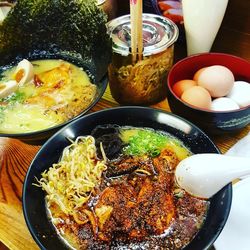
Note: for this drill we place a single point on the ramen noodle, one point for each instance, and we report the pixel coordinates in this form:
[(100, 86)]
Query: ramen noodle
[(142, 83), (70, 182)]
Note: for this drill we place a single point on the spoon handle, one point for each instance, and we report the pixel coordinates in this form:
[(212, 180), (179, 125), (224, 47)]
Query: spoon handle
[(238, 166)]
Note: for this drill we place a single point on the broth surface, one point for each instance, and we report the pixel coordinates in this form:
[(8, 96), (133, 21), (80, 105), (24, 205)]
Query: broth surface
[(136, 203), (58, 92)]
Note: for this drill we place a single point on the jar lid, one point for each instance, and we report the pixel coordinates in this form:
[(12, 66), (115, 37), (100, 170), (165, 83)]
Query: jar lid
[(158, 34)]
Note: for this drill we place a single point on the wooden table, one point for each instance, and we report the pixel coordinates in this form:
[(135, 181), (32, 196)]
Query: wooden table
[(15, 156)]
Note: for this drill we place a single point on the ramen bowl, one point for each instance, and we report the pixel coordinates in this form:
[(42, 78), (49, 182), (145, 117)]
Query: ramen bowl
[(34, 205), (212, 122), (78, 106)]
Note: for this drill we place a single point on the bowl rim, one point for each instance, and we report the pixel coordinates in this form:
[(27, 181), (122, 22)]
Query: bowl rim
[(227, 188), (201, 55)]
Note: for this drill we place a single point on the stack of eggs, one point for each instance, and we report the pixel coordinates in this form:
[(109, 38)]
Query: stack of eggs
[(214, 88)]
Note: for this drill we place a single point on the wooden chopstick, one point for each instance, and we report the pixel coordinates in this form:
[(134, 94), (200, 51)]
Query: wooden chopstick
[(139, 29), (136, 30)]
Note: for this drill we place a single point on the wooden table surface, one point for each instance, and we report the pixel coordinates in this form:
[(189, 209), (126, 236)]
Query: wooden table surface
[(15, 156)]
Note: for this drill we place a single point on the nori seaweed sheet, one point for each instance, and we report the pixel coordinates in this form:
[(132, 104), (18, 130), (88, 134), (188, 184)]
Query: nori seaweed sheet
[(56, 28)]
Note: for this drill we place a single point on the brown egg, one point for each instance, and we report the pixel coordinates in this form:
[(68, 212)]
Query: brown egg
[(198, 97), (183, 85), (197, 74), (217, 79)]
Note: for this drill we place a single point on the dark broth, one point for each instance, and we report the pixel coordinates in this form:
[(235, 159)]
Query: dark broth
[(138, 204)]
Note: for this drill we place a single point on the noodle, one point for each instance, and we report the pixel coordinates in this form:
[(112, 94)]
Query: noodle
[(69, 182), (145, 79)]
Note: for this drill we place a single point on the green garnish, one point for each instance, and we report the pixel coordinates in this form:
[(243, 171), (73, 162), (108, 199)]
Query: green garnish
[(146, 142), (1, 114), (17, 97), (11, 100)]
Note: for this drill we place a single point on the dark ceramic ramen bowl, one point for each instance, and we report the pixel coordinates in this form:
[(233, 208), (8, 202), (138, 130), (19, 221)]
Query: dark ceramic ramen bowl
[(212, 122), (100, 80), (193, 138)]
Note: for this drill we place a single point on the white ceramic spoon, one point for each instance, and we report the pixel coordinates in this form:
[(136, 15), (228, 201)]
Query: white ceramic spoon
[(203, 175)]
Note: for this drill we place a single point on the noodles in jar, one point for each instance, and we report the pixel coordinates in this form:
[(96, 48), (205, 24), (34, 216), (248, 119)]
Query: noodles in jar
[(143, 81)]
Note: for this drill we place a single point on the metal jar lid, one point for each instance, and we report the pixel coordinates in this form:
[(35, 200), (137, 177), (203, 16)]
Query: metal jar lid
[(158, 34)]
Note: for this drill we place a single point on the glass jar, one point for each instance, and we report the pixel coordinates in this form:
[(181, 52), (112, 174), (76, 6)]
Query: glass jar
[(144, 82)]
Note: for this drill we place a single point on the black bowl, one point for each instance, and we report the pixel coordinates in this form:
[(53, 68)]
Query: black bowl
[(100, 80), (33, 197)]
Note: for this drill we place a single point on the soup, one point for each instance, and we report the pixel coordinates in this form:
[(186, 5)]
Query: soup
[(115, 189), (42, 94)]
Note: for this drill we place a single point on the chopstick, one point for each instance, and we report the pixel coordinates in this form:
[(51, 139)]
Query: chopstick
[(136, 29), (133, 29), (139, 29)]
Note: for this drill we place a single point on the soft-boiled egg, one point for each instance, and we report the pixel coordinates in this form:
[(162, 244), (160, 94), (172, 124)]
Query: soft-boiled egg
[(180, 86), (24, 72), (240, 93), (224, 104), (7, 88), (217, 79), (198, 97)]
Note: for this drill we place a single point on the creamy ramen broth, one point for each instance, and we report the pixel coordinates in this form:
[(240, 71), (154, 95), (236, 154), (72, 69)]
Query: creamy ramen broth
[(127, 198), (58, 91)]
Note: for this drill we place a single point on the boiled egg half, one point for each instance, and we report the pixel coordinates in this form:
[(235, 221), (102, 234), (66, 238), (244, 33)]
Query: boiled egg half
[(7, 88), (24, 72)]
